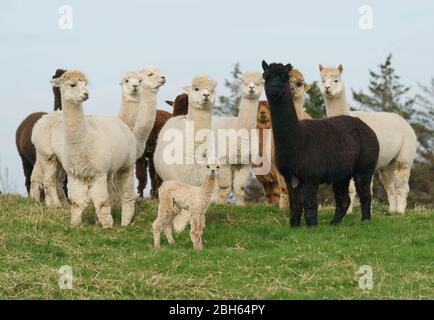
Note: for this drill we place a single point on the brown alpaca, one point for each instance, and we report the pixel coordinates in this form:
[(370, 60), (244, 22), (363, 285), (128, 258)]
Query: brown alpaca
[(180, 107), (23, 136)]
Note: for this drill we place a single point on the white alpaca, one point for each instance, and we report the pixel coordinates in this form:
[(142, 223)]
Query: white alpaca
[(396, 137), (237, 174), (177, 198), (173, 135), (97, 152)]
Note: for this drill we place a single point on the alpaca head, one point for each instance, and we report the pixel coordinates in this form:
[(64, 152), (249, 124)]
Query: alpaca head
[(130, 86), (152, 78), (73, 86), (331, 81), (201, 92), (213, 166), (297, 84), (251, 84), (276, 76), (263, 112), (180, 105)]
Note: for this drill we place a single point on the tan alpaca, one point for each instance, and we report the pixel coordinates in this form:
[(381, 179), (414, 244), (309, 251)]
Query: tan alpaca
[(179, 200)]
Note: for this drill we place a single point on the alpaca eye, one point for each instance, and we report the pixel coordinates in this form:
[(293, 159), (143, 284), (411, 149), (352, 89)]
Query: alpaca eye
[(299, 84), (218, 167), (196, 89), (207, 167), (73, 85), (336, 81), (151, 74), (140, 81), (126, 81)]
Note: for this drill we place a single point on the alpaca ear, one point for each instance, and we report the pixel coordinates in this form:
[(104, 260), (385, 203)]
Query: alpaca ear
[(264, 65), (289, 66), (321, 68), (341, 68), (306, 87), (170, 103), (56, 82)]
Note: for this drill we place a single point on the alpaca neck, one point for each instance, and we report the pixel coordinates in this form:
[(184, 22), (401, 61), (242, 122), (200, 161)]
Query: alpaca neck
[(129, 111), (247, 113), (298, 104), (200, 117), (74, 122), (337, 105), (207, 187), (145, 118), (286, 127)]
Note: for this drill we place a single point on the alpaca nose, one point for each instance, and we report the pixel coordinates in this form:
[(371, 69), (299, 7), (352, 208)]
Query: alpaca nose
[(85, 96), (135, 86), (327, 88), (206, 95)]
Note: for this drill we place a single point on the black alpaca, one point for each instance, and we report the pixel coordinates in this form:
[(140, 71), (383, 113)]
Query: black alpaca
[(318, 151)]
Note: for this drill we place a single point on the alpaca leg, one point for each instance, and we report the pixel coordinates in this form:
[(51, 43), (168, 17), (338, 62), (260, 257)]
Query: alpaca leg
[(352, 195), (50, 168), (284, 197), (402, 176), (387, 179), (241, 177), (165, 213), (224, 184), (61, 185), (196, 230), (310, 202), (342, 199), (155, 179), (168, 227), (125, 179), (276, 194), (27, 168), (142, 174), (79, 192), (363, 188), (268, 191), (36, 182), (101, 200), (295, 203)]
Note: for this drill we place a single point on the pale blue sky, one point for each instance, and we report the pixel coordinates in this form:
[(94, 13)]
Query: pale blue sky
[(186, 37)]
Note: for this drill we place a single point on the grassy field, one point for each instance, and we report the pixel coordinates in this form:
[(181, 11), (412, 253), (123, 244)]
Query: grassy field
[(250, 252)]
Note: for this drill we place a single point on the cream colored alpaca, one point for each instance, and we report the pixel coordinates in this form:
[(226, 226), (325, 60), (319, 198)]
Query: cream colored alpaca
[(298, 89), (236, 174), (173, 135), (97, 153), (139, 102), (177, 198), (396, 137)]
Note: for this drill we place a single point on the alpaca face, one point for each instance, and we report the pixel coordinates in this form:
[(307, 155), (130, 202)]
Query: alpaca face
[(251, 84), (276, 76), (331, 82), (201, 92), (130, 86), (73, 86), (263, 112), (151, 78), (213, 166), (297, 85)]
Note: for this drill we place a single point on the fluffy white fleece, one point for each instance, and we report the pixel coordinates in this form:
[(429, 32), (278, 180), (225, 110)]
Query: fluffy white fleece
[(396, 137)]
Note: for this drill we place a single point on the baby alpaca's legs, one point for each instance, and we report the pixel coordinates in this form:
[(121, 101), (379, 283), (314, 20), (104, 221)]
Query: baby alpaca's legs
[(168, 227), (284, 198), (50, 167), (310, 202), (196, 231), (352, 195), (60, 185), (79, 196), (363, 187), (125, 179), (164, 219), (387, 179), (101, 201), (402, 176), (241, 177)]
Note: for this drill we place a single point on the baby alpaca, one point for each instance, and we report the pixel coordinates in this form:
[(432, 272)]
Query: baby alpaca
[(178, 199)]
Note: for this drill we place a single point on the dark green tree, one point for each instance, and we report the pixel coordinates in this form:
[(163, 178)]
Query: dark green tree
[(228, 105), (425, 124), (314, 102)]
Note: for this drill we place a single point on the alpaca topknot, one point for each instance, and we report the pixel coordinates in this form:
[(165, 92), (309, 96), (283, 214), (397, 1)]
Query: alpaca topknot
[(75, 75), (204, 81)]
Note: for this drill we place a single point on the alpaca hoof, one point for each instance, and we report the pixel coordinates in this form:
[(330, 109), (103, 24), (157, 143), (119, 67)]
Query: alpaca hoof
[(311, 223), (295, 223), (157, 246), (335, 222)]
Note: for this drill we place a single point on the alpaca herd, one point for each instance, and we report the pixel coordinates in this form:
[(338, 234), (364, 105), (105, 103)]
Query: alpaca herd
[(71, 157)]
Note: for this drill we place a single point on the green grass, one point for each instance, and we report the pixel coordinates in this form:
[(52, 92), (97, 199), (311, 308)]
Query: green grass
[(250, 252)]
